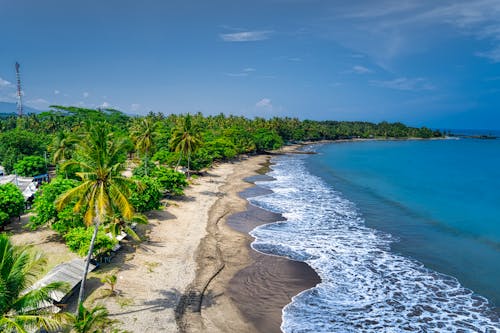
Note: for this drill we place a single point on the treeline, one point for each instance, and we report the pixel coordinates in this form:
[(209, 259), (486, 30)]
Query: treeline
[(221, 137)]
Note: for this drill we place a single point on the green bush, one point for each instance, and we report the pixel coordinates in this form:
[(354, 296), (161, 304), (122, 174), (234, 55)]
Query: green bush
[(140, 171), (165, 157), (45, 209), (16, 144), (148, 198), (170, 180), (78, 241), (31, 166), (267, 140), (11, 202)]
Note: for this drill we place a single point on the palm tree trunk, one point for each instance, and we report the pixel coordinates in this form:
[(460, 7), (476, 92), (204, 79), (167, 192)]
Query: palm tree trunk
[(178, 162), (189, 157), (87, 264)]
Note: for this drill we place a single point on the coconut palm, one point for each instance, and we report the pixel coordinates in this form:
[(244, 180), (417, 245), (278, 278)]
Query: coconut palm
[(103, 190), (19, 306), (93, 320), (185, 140), (143, 132), (62, 146)]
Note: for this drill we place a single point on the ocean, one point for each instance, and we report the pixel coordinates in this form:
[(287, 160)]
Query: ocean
[(405, 235)]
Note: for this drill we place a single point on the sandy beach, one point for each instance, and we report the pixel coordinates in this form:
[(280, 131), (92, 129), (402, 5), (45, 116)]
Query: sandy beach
[(194, 273)]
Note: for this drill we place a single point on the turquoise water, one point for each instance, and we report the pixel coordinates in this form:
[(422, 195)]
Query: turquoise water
[(441, 199), (403, 234)]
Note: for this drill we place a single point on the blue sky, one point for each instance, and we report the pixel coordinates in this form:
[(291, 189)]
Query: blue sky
[(434, 63)]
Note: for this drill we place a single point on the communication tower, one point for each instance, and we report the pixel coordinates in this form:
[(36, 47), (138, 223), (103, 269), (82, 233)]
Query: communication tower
[(19, 92)]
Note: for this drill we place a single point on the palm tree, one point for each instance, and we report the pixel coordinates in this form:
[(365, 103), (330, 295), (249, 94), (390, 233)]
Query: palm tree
[(20, 309), (103, 190), (185, 140), (62, 146), (92, 320), (143, 132)]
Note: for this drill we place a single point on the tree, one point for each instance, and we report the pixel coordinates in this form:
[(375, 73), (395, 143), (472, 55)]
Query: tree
[(186, 140), (45, 208), (16, 144), (11, 202), (19, 267), (62, 146), (103, 190), (31, 166), (147, 196), (94, 320), (143, 132)]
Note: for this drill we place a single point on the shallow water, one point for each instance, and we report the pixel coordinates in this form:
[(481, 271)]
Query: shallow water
[(388, 259)]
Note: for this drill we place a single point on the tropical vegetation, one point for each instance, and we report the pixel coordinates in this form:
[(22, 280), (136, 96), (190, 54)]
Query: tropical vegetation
[(24, 309)]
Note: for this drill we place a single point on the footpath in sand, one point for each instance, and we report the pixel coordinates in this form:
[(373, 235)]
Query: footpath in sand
[(157, 281)]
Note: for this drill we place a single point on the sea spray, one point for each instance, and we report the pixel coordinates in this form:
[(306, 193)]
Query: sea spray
[(365, 287)]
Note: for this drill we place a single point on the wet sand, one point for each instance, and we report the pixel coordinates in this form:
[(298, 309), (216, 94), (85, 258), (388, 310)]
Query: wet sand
[(263, 288)]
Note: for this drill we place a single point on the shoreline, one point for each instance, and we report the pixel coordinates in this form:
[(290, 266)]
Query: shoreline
[(230, 272)]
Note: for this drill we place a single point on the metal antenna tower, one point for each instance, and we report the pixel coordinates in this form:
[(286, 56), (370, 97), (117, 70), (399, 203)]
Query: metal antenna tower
[(19, 92)]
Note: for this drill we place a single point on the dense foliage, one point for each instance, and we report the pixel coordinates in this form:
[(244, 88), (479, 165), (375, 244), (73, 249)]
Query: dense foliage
[(170, 181), (31, 166), (17, 143), (147, 196), (45, 209), (78, 240), (11, 202)]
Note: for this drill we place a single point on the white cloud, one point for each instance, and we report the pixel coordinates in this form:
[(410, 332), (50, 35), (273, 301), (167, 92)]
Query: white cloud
[(236, 74), (493, 55), (105, 105), (38, 103), (405, 84), (247, 36), (361, 70), (249, 69), (264, 103), (4, 83), (135, 107), (56, 92), (85, 94)]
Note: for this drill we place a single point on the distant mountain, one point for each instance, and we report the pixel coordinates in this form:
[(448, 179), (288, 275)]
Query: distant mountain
[(6, 107)]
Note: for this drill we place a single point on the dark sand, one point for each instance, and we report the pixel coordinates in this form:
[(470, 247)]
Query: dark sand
[(263, 288)]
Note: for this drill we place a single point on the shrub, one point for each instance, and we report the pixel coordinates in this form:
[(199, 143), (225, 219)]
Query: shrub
[(170, 180), (11, 202), (165, 157), (140, 171), (78, 241), (147, 198), (45, 209), (31, 166)]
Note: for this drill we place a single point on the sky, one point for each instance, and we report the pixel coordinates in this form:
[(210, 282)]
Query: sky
[(425, 63)]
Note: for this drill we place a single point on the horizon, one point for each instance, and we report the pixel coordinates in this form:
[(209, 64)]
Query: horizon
[(419, 63)]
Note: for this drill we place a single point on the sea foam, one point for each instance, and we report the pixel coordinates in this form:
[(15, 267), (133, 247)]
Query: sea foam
[(365, 287)]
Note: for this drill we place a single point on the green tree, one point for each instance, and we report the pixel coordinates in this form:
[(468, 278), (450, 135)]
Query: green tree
[(20, 309), (143, 132), (11, 202), (146, 196), (103, 190), (45, 208), (186, 139), (31, 166), (16, 144), (93, 320), (62, 146), (170, 180)]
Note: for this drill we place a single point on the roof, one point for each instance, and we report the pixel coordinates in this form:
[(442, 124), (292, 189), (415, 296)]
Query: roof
[(69, 272)]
